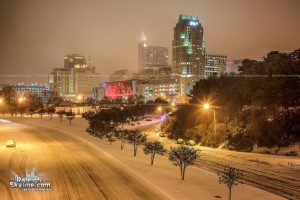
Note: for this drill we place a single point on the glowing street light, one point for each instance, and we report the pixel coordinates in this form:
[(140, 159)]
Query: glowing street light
[(79, 97), (159, 108), (173, 104), (21, 99), (1, 100), (207, 106)]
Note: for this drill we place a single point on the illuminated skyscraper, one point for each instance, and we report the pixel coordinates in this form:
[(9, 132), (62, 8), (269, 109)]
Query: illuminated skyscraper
[(76, 78), (188, 47), (151, 58)]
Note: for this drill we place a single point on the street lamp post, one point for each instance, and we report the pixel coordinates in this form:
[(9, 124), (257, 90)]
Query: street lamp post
[(207, 106), (81, 98), (21, 99)]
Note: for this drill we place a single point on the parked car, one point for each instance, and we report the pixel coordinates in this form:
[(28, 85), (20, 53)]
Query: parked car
[(180, 141), (157, 117), (132, 123), (162, 134), (112, 139), (191, 143), (138, 123), (148, 119), (10, 144)]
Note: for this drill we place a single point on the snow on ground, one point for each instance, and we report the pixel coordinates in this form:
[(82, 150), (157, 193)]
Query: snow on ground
[(37, 137)]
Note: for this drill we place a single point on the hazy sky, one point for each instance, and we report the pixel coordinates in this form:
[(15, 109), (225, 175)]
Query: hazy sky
[(35, 35)]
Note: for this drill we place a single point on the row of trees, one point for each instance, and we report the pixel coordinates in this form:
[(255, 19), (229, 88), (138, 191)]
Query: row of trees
[(259, 106), (182, 156)]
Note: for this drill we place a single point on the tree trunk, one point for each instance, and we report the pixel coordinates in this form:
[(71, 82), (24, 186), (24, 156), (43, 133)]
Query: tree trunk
[(152, 158), (183, 171), (229, 197), (122, 144), (134, 149)]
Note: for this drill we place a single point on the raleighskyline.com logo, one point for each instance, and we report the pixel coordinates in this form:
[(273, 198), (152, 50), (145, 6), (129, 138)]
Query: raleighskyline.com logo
[(30, 182)]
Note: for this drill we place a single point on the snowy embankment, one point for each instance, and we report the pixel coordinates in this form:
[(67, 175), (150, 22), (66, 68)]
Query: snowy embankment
[(199, 183)]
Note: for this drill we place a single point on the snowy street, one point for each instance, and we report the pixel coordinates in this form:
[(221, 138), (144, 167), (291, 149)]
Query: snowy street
[(80, 166)]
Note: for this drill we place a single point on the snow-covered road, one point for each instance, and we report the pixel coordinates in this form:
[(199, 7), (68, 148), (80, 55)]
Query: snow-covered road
[(75, 168), (80, 166)]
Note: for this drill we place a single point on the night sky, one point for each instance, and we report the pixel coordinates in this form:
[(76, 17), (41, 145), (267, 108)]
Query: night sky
[(36, 35)]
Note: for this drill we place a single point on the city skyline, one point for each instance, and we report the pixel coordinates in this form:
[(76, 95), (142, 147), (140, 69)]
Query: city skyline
[(54, 29)]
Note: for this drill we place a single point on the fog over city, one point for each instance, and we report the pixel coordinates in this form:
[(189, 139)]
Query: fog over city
[(36, 35), (149, 99)]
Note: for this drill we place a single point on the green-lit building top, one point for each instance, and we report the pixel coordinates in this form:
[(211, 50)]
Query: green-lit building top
[(188, 49)]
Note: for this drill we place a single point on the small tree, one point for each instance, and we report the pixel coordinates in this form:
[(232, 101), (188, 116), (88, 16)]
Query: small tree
[(137, 138), (51, 111), (230, 178), (31, 111), (183, 156), (61, 114), (122, 136), (42, 112), (153, 148), (70, 116), (99, 128)]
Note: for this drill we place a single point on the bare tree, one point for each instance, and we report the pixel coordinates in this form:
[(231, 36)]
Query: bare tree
[(137, 138), (155, 147), (42, 112), (122, 136), (51, 111), (70, 116), (61, 114), (230, 178), (183, 156)]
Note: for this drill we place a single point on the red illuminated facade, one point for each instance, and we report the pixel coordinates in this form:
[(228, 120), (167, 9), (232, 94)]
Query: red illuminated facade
[(119, 88)]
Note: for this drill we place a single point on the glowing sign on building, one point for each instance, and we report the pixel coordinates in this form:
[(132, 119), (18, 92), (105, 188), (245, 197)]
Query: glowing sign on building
[(194, 23), (119, 89)]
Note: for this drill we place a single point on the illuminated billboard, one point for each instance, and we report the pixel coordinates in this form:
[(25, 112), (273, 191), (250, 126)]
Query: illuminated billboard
[(119, 88)]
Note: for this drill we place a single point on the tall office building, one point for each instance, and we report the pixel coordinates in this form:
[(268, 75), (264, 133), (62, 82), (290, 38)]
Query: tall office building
[(212, 63), (188, 47), (76, 78), (151, 58)]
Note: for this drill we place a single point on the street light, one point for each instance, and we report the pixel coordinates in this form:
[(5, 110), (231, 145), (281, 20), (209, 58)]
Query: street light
[(81, 98), (159, 108), (21, 99), (207, 106), (1, 100)]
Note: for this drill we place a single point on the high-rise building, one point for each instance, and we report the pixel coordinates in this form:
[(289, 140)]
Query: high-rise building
[(188, 47), (76, 78), (212, 63), (151, 58)]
